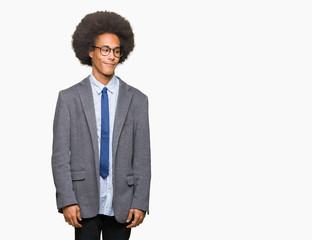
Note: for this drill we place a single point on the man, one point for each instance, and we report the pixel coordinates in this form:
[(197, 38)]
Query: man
[(101, 145)]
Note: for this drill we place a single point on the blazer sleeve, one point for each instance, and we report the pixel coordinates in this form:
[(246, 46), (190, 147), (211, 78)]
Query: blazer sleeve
[(61, 155), (142, 160)]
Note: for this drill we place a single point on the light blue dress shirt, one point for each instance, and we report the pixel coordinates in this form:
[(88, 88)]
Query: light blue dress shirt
[(106, 185)]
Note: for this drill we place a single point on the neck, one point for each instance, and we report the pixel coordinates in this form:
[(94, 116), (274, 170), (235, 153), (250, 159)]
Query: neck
[(104, 79)]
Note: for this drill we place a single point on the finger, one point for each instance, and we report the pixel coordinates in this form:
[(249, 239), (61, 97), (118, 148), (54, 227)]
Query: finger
[(67, 219), (130, 225), (142, 216), (130, 215), (78, 214), (76, 223), (134, 222), (70, 221), (140, 220)]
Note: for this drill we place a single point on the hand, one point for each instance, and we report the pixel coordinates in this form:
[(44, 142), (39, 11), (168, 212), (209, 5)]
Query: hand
[(139, 216), (71, 214)]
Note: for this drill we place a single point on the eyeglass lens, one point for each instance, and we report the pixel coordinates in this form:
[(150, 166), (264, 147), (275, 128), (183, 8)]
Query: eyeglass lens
[(106, 50)]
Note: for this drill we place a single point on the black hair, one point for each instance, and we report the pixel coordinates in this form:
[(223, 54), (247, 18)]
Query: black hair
[(95, 24)]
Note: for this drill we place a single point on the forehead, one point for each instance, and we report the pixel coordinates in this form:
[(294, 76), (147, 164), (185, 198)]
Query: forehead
[(108, 39)]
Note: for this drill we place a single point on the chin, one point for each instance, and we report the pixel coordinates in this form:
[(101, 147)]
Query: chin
[(108, 74)]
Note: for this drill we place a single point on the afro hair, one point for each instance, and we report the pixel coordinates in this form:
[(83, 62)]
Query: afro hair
[(95, 24)]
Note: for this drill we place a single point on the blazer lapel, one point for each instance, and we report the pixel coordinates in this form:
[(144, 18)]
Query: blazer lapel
[(123, 103), (85, 93)]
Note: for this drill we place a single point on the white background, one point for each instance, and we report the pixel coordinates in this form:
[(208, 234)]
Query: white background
[(229, 85)]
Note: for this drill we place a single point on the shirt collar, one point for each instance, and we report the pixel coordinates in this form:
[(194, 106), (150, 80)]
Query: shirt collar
[(111, 86)]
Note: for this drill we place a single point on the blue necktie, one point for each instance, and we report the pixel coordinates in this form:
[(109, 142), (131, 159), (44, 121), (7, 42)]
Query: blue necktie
[(104, 152)]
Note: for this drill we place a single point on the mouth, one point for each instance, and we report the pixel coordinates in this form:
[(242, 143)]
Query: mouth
[(109, 64)]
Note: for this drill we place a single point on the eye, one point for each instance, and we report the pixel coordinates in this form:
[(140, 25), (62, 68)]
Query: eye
[(105, 49)]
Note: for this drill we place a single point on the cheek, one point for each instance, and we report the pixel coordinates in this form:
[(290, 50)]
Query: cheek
[(97, 60)]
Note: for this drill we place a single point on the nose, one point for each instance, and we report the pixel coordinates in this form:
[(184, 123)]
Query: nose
[(111, 55)]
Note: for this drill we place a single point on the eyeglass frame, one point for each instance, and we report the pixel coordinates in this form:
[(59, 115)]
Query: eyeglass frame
[(110, 49)]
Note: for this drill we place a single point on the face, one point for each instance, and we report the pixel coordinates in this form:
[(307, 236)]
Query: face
[(103, 67)]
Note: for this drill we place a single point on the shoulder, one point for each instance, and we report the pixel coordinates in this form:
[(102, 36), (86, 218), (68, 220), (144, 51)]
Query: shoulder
[(137, 94), (72, 91)]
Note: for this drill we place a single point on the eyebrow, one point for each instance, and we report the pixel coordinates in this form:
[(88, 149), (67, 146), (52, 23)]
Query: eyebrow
[(110, 47)]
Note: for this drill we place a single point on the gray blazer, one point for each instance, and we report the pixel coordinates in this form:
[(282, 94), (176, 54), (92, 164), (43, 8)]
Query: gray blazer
[(75, 157)]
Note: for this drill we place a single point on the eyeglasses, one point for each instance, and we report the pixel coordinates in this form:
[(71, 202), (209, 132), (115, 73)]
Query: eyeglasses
[(105, 50)]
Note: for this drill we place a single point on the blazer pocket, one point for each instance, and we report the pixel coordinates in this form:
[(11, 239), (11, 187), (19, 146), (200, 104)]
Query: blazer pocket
[(130, 180), (78, 175)]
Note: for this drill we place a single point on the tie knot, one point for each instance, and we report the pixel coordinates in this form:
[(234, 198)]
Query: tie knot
[(104, 90)]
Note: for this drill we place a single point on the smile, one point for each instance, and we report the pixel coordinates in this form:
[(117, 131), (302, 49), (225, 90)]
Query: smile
[(110, 64)]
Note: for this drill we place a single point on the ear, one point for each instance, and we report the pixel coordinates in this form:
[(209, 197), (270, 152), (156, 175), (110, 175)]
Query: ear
[(91, 52)]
